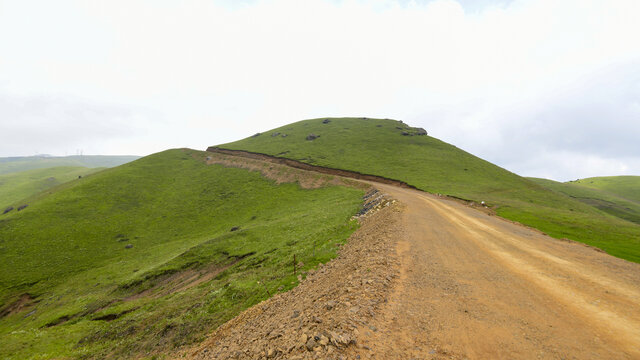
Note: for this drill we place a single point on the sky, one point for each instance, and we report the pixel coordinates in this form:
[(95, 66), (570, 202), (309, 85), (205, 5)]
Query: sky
[(542, 88)]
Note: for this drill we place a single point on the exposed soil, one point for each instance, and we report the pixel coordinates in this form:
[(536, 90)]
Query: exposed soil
[(304, 166), (280, 173), (476, 286), (431, 278), (24, 302), (181, 281), (322, 316)]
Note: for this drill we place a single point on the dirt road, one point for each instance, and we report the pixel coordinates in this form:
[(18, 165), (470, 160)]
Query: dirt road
[(430, 278), (475, 286)]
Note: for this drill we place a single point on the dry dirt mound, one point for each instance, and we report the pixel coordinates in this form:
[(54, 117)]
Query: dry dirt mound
[(324, 316)]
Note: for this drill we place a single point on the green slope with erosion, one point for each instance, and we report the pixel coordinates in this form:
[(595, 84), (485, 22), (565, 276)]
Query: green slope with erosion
[(23, 163), (378, 147), (610, 201), (140, 258), (18, 186)]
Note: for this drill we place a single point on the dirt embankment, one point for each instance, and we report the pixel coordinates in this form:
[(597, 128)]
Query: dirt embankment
[(308, 167), (281, 173), (325, 315)]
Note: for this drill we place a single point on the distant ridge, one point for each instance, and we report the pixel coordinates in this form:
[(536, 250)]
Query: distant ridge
[(21, 163)]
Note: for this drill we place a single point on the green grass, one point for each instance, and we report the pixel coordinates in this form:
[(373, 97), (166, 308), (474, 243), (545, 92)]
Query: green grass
[(627, 187), (18, 186), (95, 298), (22, 163), (610, 200), (376, 146)]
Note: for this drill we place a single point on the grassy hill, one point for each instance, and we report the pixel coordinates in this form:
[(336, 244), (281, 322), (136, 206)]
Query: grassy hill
[(153, 254), (627, 187), (622, 201), (393, 149), (18, 186), (23, 163)]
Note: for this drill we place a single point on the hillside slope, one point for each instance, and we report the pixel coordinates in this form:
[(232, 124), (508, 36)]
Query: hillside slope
[(611, 200), (627, 187), (23, 163), (379, 147), (151, 255), (18, 186)]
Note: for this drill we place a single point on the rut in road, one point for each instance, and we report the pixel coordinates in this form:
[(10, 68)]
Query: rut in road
[(476, 286)]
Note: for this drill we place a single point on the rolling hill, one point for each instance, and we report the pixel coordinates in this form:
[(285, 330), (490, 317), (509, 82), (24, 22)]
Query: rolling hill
[(617, 201), (18, 186), (395, 150), (627, 187), (23, 163), (151, 255)]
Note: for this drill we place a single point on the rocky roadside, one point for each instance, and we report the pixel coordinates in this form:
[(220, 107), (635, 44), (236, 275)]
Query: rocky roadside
[(324, 316)]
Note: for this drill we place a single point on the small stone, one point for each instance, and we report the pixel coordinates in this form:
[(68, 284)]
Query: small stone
[(310, 344), (317, 320), (295, 314), (330, 305), (128, 246), (324, 340), (235, 228), (303, 338)]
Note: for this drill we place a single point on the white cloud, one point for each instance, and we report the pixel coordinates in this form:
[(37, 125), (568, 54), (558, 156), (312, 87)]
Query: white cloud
[(200, 72)]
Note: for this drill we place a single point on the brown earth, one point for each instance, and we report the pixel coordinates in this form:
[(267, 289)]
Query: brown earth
[(24, 302), (475, 286), (430, 278), (321, 317)]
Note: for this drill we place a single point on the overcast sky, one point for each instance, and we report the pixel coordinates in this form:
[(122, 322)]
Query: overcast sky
[(541, 88)]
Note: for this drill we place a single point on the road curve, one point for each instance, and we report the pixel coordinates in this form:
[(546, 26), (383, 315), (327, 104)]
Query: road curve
[(476, 286)]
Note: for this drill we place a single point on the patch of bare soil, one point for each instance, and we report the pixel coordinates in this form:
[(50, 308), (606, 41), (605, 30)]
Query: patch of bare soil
[(294, 164), (24, 302), (181, 281), (281, 173), (325, 315)]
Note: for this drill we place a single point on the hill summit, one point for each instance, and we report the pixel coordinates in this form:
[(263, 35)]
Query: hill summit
[(393, 149)]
